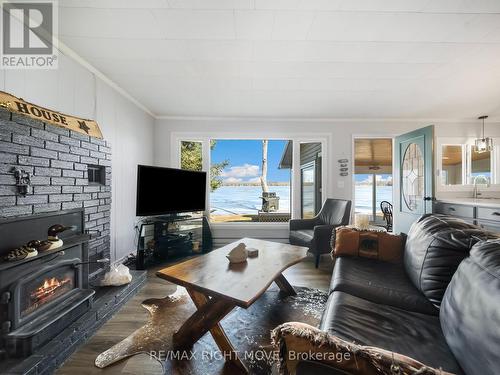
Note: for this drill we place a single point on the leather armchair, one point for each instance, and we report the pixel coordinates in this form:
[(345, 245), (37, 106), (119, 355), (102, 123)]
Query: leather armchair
[(316, 233)]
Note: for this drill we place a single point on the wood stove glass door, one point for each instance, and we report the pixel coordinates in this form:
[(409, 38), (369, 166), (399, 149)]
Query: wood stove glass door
[(41, 290), (44, 289)]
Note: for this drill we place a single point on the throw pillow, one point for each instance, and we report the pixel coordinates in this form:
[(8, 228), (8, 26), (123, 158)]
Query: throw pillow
[(368, 244)]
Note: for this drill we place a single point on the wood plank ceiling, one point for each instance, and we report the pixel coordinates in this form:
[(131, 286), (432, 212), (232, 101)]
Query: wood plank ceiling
[(436, 59), (373, 155)]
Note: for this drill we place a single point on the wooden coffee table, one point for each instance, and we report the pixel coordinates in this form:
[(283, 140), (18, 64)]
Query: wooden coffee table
[(217, 287)]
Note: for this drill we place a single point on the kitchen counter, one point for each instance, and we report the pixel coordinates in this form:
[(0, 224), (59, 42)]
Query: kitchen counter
[(484, 212), (479, 202)]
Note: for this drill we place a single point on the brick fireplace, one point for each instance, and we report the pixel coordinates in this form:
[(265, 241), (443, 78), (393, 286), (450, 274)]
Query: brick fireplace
[(49, 304), (69, 170), (41, 295)]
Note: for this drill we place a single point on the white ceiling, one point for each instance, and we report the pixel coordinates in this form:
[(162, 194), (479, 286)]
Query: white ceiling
[(295, 58)]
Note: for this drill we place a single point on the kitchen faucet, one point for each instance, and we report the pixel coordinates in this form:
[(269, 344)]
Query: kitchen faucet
[(475, 192)]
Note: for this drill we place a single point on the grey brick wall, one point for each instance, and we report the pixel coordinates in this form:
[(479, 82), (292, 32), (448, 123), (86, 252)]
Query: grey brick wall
[(57, 159)]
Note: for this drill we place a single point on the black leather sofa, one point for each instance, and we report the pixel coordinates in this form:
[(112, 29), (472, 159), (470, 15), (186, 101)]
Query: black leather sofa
[(423, 308)]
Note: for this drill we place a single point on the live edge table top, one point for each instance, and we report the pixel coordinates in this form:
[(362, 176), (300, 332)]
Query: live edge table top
[(242, 283)]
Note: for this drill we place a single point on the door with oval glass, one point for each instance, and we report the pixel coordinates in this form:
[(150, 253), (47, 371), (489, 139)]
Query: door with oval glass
[(414, 184)]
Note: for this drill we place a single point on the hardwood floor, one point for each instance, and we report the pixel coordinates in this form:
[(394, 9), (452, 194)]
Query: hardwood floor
[(132, 316)]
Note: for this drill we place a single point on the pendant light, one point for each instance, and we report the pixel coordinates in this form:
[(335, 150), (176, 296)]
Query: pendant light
[(483, 144)]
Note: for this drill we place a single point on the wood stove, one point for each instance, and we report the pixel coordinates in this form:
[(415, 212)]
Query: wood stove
[(41, 296)]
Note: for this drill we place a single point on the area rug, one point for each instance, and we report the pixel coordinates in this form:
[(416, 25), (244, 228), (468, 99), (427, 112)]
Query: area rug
[(247, 329)]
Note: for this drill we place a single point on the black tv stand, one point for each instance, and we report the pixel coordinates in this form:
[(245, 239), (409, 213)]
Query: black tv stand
[(167, 218), (171, 236), (174, 217)]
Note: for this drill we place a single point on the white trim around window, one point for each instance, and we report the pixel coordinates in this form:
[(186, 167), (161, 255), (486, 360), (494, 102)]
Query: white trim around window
[(297, 138)]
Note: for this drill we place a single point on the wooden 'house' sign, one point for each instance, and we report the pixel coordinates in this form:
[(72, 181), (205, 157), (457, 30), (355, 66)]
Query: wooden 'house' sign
[(18, 105)]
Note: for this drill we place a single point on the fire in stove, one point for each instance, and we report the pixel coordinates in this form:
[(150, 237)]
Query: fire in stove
[(50, 287)]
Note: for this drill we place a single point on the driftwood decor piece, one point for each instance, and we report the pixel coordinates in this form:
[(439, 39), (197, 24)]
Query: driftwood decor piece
[(18, 105), (249, 329)]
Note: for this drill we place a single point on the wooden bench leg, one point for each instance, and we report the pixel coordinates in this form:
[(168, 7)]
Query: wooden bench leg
[(284, 285)]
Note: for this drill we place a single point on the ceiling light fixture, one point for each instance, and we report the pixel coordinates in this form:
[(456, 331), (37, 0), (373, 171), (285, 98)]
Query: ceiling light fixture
[(483, 144)]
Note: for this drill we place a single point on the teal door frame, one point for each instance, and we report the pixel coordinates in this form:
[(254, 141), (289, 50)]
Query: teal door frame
[(403, 215)]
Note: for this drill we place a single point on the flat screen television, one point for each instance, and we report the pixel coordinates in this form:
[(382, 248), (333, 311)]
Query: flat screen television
[(163, 191)]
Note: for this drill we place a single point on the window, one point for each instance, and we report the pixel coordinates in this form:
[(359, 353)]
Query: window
[(372, 176), (250, 180), (236, 192), (310, 178), (191, 155), (308, 206), (383, 192), (364, 193), (370, 191), (96, 174)]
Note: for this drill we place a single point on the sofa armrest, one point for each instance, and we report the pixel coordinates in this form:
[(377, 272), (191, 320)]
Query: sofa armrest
[(298, 224), (323, 236), (296, 342)]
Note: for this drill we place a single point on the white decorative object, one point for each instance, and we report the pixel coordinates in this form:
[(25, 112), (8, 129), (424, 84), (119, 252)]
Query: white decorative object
[(362, 221), (54, 244), (238, 255), (116, 276), (252, 253)]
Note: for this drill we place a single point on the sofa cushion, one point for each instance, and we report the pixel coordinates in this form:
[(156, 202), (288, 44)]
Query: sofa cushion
[(416, 335), (379, 282), (302, 237), (470, 311), (435, 246)]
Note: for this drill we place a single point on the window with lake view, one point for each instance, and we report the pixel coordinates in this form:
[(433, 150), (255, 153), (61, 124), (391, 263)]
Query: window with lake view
[(247, 182), (372, 176), (368, 196)]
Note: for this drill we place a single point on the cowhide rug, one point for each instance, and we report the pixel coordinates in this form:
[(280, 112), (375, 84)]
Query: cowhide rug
[(247, 329)]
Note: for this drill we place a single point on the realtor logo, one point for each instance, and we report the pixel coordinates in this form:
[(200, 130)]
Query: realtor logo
[(28, 34)]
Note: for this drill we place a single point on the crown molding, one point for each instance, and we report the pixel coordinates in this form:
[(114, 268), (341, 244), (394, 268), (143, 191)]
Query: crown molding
[(325, 119)]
